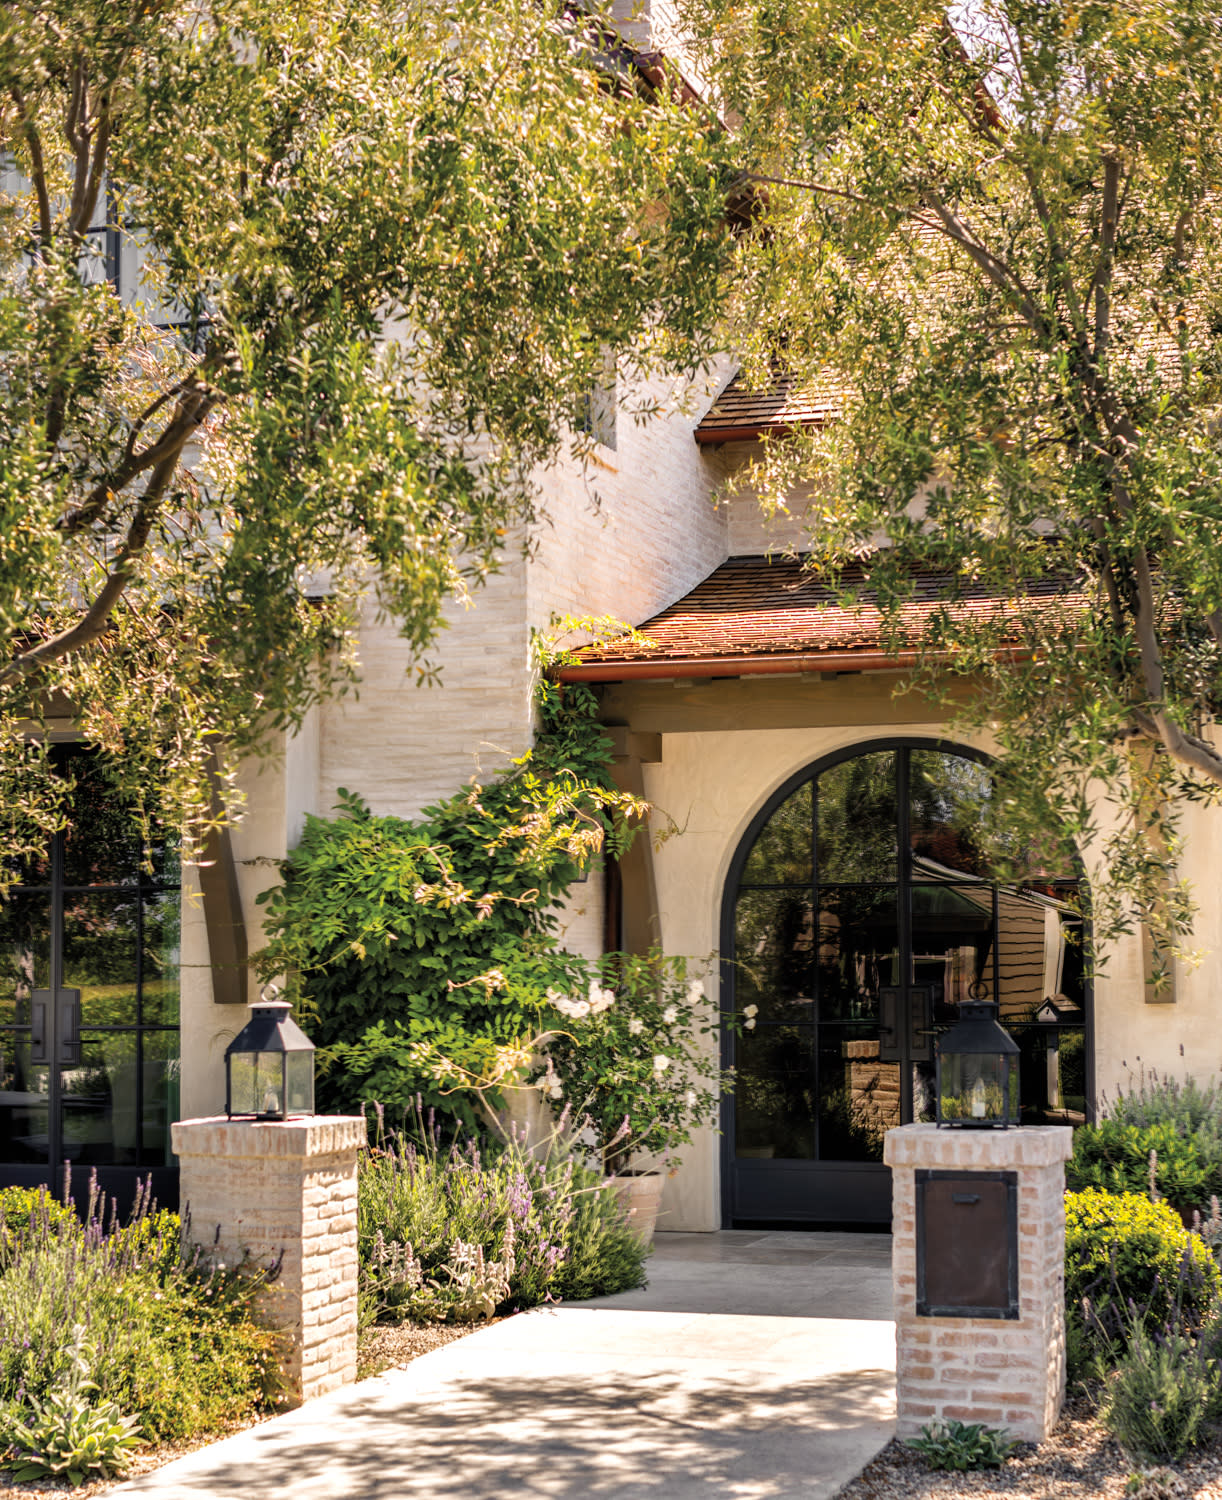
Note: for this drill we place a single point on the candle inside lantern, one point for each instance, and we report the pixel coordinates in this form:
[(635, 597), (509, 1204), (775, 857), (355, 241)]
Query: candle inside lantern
[(979, 1103)]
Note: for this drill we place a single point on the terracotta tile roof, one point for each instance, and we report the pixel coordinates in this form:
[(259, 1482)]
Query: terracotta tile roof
[(756, 614), (742, 412)]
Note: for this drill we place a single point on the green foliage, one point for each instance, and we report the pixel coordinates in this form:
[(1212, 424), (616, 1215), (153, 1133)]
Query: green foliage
[(412, 940), (456, 1233), (1115, 1158), (65, 1435), (500, 184), (991, 237), (961, 1445), (172, 1342), (1162, 1394), (1127, 1258), (634, 1056), (1180, 1122)]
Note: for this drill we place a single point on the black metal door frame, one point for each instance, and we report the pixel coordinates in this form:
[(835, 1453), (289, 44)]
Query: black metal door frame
[(862, 1181), (61, 1046)]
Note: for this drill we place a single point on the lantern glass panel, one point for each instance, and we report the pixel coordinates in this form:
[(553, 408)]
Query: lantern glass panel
[(269, 1083), (243, 1098), (299, 1083), (976, 1087)]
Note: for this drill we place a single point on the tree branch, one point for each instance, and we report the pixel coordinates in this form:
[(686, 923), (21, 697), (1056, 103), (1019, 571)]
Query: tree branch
[(193, 408), (1060, 261), (1101, 281), (996, 270), (38, 168), (1188, 749), (823, 188), (132, 464)]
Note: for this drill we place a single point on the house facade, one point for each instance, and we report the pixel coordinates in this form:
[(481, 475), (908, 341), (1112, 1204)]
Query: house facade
[(819, 862), (823, 870)]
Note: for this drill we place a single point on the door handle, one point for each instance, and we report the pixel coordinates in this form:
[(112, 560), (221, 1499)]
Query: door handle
[(68, 1036), (67, 1026), (39, 1001)]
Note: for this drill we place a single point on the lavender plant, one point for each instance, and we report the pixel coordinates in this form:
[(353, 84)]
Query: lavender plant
[(172, 1340), (457, 1232)]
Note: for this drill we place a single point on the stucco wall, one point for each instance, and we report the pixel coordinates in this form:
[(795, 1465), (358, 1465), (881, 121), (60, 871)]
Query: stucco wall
[(275, 809), (712, 781), (1135, 1031)]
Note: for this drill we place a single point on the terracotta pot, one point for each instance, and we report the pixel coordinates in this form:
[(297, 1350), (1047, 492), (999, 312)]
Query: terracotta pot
[(641, 1195)]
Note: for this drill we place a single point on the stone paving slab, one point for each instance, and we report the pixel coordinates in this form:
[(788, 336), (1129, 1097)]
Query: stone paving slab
[(596, 1400), (557, 1404)]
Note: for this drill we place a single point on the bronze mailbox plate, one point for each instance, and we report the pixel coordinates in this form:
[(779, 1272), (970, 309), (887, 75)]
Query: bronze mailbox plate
[(967, 1244)]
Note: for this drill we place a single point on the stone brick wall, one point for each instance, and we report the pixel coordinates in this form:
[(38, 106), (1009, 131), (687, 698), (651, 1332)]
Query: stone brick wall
[(284, 1190), (635, 528), (1003, 1372)]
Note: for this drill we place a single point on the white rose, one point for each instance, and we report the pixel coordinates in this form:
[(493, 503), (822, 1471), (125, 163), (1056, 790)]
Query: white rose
[(635, 1026), (608, 999), (555, 1092), (671, 1014), (660, 1064), (579, 1009), (749, 1024), (695, 991), (751, 1010), (690, 1098)]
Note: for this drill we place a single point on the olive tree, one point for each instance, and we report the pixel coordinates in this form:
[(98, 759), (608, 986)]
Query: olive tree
[(386, 249), (997, 232)]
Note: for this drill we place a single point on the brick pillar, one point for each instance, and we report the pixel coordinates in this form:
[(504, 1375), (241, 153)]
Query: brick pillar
[(284, 1189), (1005, 1371)]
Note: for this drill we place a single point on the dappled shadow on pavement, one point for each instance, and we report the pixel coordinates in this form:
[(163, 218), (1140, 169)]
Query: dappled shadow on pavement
[(624, 1432)]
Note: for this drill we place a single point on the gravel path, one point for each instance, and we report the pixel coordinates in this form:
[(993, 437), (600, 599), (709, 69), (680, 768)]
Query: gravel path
[(1078, 1462), (382, 1348)]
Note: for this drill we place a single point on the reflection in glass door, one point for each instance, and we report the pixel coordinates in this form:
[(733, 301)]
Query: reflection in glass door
[(89, 1005), (859, 916)]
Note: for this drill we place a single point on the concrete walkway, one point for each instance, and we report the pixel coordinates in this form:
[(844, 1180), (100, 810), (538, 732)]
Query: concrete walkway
[(755, 1365)]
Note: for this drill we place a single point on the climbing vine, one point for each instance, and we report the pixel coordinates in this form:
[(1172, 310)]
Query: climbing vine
[(443, 930)]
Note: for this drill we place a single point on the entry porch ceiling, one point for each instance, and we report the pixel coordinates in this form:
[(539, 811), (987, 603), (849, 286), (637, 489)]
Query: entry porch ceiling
[(759, 616)]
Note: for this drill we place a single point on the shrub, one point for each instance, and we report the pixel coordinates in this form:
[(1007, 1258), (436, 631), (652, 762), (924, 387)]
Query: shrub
[(1125, 1258), (1180, 1121), (172, 1342), (961, 1446), (1162, 1394), (440, 932), (424, 1211), (1115, 1157)]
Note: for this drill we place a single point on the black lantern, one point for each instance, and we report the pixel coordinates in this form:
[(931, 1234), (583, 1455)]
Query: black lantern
[(977, 1070), (269, 1065)]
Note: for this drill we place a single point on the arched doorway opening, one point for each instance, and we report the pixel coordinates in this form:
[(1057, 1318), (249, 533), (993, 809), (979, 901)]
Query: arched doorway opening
[(858, 911)]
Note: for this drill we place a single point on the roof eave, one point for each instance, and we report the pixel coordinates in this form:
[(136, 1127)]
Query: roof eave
[(776, 664), (711, 436)]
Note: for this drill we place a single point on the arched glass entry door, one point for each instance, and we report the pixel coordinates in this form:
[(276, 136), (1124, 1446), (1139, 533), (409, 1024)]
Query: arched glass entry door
[(858, 914)]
